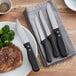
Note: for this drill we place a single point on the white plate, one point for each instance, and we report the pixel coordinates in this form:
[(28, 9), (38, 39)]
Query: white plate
[(25, 68), (71, 4)]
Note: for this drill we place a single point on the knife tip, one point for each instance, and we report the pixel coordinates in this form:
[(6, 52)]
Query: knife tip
[(40, 11), (17, 20), (18, 23), (48, 5)]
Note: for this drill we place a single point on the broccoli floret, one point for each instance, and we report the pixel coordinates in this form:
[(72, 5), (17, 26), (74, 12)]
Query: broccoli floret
[(4, 37), (7, 42), (1, 32), (1, 44), (11, 37), (11, 32), (8, 36), (6, 29)]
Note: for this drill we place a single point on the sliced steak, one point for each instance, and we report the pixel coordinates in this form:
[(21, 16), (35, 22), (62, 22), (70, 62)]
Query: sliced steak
[(10, 58)]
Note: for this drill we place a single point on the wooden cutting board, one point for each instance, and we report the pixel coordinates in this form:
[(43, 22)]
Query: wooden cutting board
[(65, 68)]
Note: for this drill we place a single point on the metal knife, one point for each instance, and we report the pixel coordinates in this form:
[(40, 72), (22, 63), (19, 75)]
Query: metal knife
[(44, 41), (56, 30), (49, 35), (31, 56)]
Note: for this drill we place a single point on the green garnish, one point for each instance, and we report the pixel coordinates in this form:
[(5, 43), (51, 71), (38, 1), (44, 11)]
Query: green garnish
[(11, 34), (6, 36), (1, 32), (1, 44), (6, 29), (7, 42)]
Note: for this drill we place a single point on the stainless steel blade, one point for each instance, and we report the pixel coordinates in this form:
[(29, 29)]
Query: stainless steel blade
[(51, 16), (45, 25), (21, 32), (39, 28)]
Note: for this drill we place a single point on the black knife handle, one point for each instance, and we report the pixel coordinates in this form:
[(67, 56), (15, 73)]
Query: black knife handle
[(31, 56), (47, 49), (60, 43), (54, 45)]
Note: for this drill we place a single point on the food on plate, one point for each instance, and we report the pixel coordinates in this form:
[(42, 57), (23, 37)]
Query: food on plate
[(10, 58), (4, 7), (6, 36), (10, 55)]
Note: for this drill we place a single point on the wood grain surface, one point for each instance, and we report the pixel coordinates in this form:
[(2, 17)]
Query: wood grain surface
[(65, 68)]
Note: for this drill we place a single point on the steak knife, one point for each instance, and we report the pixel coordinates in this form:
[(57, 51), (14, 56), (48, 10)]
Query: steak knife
[(31, 56), (44, 41), (56, 30), (49, 35)]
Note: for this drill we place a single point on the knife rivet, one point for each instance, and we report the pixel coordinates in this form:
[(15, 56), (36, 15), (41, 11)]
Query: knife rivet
[(57, 31), (59, 35), (28, 46), (29, 49)]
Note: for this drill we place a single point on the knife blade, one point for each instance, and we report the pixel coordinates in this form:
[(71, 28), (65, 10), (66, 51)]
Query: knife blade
[(49, 35), (56, 30), (26, 43), (44, 41)]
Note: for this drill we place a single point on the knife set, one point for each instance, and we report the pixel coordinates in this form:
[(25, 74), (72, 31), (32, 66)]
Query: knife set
[(51, 36)]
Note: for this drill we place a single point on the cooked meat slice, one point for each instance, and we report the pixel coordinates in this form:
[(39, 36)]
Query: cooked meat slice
[(10, 58)]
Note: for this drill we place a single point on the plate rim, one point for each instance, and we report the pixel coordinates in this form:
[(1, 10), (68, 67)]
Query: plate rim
[(69, 6)]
